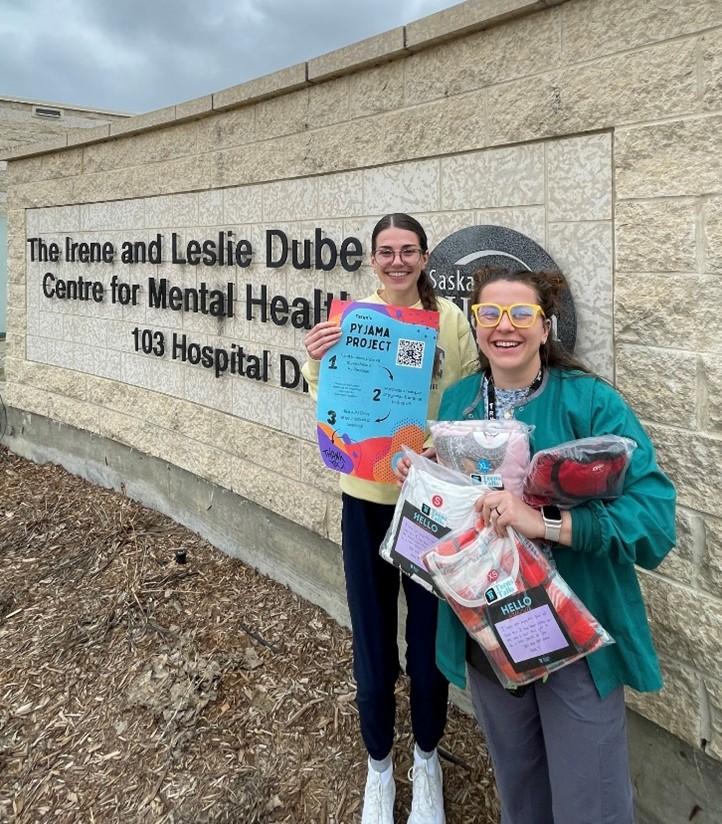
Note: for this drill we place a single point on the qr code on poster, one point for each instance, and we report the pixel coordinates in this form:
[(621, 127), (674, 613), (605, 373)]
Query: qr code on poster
[(410, 353)]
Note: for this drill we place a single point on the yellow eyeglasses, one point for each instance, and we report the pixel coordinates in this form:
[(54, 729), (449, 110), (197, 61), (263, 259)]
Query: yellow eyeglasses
[(521, 315)]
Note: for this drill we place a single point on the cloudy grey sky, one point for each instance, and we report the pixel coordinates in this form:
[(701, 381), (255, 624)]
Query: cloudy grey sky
[(138, 55)]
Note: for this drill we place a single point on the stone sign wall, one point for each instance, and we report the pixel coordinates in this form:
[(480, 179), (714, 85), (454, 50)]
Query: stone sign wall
[(95, 308)]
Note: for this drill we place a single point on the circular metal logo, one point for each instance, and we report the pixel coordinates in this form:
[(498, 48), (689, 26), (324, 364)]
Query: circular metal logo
[(453, 262)]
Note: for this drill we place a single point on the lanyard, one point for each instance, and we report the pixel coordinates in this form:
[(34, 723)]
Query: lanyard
[(491, 391)]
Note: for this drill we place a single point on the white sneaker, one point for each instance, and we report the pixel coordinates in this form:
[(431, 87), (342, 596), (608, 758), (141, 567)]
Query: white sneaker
[(427, 800), (379, 797)]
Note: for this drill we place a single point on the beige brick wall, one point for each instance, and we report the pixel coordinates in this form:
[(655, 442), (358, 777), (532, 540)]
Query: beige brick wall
[(460, 101), (20, 127), (557, 192)]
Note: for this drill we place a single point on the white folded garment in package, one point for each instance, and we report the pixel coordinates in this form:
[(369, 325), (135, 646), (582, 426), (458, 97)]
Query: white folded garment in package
[(434, 500)]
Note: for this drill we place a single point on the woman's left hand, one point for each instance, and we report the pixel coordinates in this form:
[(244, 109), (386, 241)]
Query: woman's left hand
[(401, 468), (502, 509)]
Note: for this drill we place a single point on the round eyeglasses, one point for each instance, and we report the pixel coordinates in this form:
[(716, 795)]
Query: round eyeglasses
[(408, 254), (521, 315)]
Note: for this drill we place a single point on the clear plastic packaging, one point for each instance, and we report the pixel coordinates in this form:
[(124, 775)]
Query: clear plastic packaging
[(576, 471), (495, 453), (513, 602), (433, 501)]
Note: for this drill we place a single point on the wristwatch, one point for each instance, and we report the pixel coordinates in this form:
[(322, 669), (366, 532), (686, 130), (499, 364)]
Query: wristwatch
[(552, 516)]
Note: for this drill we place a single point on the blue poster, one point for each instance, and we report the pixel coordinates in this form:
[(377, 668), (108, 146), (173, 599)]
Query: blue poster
[(374, 385)]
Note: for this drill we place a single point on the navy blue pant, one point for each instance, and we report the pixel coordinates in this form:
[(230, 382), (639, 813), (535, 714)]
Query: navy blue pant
[(372, 588)]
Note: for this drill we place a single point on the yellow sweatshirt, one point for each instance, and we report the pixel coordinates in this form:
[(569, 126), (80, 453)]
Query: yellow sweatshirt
[(456, 357)]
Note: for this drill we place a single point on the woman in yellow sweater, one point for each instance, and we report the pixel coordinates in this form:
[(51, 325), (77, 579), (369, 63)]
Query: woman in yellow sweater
[(399, 251)]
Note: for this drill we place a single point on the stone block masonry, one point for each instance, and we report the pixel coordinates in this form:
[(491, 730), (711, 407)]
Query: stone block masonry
[(151, 326), (21, 126)]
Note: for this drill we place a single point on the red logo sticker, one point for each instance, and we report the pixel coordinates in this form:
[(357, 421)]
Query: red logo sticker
[(492, 576), (437, 500)]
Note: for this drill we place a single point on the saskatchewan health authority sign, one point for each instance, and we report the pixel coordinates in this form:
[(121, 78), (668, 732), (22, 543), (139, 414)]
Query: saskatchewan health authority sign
[(454, 261)]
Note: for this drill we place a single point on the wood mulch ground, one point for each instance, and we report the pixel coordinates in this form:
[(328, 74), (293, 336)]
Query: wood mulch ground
[(136, 688)]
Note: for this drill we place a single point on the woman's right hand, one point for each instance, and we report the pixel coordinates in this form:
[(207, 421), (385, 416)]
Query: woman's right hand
[(321, 338)]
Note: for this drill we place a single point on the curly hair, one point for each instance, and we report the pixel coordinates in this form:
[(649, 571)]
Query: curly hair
[(548, 286)]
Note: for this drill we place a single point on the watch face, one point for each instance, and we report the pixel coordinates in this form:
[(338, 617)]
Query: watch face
[(551, 513)]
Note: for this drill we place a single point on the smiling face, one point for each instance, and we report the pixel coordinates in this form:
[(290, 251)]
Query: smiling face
[(513, 354), (398, 277)]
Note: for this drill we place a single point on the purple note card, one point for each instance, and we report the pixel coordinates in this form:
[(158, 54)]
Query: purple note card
[(531, 634)]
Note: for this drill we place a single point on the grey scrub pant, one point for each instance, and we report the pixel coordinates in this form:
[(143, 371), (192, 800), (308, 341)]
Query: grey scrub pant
[(559, 752)]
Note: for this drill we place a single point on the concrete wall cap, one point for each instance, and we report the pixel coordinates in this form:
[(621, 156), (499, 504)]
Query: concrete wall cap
[(269, 85), (158, 117), (368, 52), (466, 18), (77, 136), (44, 147), (197, 107)]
